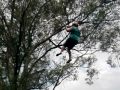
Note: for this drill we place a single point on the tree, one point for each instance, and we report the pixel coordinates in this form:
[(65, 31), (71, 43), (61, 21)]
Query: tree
[(28, 28)]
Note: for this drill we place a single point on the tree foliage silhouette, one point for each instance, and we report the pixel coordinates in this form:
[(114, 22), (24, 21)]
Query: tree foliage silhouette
[(27, 31)]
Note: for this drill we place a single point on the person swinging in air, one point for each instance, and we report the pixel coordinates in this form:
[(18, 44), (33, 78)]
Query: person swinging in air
[(73, 38)]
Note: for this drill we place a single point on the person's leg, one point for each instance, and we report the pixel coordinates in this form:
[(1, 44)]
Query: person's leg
[(70, 58), (72, 44), (66, 44), (62, 49)]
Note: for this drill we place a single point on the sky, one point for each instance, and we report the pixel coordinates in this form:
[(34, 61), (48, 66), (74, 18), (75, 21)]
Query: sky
[(108, 78)]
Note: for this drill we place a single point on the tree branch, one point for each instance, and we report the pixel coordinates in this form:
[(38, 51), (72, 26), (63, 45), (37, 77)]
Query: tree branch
[(12, 11), (40, 58)]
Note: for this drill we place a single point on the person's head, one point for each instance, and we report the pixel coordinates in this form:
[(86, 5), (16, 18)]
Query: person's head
[(75, 24)]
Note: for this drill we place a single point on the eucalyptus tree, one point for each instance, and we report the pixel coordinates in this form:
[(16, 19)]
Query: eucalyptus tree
[(31, 29)]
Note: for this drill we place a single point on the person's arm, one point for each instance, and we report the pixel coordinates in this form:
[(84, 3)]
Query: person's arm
[(68, 28)]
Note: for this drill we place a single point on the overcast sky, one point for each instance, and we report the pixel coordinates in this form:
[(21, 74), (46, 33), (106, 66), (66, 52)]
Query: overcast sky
[(109, 78), (107, 81)]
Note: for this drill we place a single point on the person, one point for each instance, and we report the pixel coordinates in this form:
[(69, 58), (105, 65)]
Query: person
[(72, 40)]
